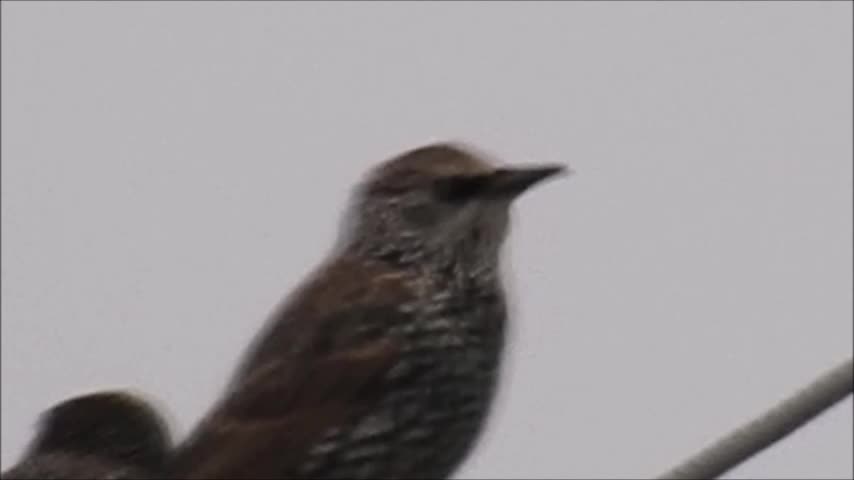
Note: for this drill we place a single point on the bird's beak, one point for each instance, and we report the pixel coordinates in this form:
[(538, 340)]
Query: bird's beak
[(513, 181)]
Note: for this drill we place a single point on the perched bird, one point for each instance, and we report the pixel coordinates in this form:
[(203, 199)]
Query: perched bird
[(102, 435), (384, 362)]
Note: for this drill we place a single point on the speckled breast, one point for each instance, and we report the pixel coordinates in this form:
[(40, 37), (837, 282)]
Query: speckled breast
[(437, 399)]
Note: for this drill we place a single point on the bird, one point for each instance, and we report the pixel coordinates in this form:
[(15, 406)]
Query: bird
[(385, 361), (109, 434)]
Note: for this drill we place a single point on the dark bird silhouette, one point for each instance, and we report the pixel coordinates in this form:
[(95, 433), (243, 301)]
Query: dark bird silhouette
[(102, 435), (384, 363)]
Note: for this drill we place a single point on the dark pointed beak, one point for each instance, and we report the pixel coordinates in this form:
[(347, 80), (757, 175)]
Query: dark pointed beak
[(513, 181)]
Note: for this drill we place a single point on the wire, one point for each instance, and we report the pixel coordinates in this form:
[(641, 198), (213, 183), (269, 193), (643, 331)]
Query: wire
[(781, 420)]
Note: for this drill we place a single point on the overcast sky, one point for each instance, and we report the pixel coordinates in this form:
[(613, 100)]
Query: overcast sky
[(171, 170)]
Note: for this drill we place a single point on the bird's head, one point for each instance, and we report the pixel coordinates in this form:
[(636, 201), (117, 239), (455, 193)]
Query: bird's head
[(443, 198), (118, 425)]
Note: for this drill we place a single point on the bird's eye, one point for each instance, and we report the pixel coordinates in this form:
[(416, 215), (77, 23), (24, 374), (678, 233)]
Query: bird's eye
[(422, 214), (459, 189)]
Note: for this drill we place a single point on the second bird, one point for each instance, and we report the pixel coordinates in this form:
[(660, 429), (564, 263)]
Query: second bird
[(384, 363)]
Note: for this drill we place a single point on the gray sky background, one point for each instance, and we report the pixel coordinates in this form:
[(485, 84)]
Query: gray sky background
[(170, 171)]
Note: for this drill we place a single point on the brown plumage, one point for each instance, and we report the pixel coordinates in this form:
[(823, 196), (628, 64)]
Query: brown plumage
[(384, 363), (102, 435)]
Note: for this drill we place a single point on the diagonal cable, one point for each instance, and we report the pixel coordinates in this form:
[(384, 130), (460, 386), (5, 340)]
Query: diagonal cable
[(781, 420)]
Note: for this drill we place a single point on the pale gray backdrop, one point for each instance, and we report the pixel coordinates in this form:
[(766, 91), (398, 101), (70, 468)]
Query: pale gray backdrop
[(171, 170)]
